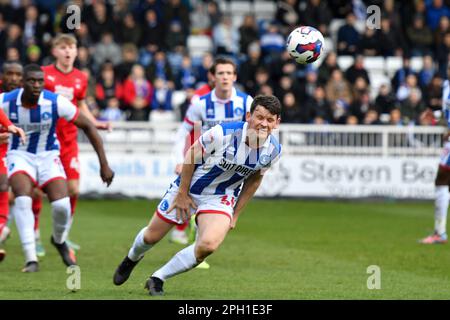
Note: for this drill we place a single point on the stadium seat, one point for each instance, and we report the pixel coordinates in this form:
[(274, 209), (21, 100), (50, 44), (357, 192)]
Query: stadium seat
[(375, 64), (264, 9), (345, 62), (392, 65), (198, 45), (139, 136), (333, 28), (417, 63), (328, 45), (178, 97), (240, 7), (162, 116), (376, 80), (115, 136)]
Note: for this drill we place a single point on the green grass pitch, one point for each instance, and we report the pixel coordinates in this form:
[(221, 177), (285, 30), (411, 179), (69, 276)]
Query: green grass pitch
[(280, 249)]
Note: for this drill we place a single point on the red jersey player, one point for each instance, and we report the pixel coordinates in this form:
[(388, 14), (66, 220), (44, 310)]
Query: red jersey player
[(63, 78), (11, 79)]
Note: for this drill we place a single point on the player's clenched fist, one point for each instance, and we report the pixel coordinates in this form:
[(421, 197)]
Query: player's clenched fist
[(107, 174)]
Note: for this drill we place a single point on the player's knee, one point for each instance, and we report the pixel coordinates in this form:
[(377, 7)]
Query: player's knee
[(74, 191), (150, 237), (206, 247)]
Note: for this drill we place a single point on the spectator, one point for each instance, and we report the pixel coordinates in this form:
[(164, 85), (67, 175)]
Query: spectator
[(201, 23), (137, 94), (395, 117), (348, 36), (435, 10), (203, 68), (287, 14), (392, 40), (107, 87), (360, 106), (175, 10), (290, 112), (226, 37), (385, 101), (186, 76), (160, 68), (129, 58), (99, 20), (214, 13), (433, 93), (83, 36), (162, 96), (129, 31), (262, 77), (412, 106), (248, 33), (153, 32), (427, 72), (327, 67), (368, 44), (84, 59), (441, 30), (357, 70), (360, 87), (405, 89), (247, 69), (442, 55), (34, 30), (318, 106), (175, 37), (317, 14), (420, 37), (272, 42), (33, 54), (13, 39), (338, 88), (371, 117), (401, 74), (107, 49), (308, 87), (265, 90), (112, 111)]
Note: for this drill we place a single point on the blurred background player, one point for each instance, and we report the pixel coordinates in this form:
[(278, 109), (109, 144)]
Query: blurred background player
[(226, 158), (11, 79), (178, 234), (37, 161), (223, 104), (442, 181), (63, 78)]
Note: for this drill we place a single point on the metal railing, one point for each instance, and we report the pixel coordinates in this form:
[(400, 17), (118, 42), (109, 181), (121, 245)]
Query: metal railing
[(377, 141)]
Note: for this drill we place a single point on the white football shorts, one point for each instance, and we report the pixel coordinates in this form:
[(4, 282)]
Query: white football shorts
[(211, 204), (42, 167)]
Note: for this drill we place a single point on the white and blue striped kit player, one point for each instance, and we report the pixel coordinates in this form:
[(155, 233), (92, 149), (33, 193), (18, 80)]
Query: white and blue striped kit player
[(210, 110), (445, 154), (39, 123), (229, 161)]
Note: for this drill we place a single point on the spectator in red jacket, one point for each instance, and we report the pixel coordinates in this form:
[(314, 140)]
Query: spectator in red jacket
[(137, 94)]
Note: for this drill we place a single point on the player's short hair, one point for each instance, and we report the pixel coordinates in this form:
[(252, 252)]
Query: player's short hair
[(32, 67), (10, 63), (222, 60), (271, 103), (65, 38)]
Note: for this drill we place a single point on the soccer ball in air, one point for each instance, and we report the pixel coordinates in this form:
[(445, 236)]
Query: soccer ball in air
[(305, 44)]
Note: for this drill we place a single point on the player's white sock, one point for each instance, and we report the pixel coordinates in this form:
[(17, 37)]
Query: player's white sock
[(61, 219), (23, 215), (441, 207), (37, 235), (183, 261), (139, 247)]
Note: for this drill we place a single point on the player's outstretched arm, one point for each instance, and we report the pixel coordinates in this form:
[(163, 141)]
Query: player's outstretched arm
[(91, 132), (101, 125), (251, 184), (183, 202)]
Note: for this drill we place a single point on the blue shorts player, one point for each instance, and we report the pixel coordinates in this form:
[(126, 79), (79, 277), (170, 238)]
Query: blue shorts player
[(221, 173)]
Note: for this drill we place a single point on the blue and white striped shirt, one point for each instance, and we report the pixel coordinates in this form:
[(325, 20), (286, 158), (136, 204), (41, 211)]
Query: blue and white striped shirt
[(228, 160), (39, 123)]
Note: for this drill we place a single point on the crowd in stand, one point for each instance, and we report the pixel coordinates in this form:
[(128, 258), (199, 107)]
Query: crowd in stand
[(136, 55)]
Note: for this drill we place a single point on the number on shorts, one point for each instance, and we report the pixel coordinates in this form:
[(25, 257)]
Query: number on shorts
[(224, 200)]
